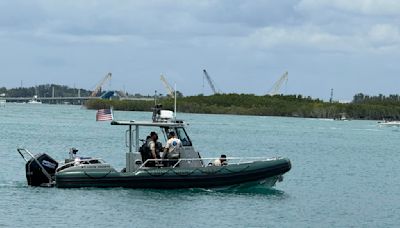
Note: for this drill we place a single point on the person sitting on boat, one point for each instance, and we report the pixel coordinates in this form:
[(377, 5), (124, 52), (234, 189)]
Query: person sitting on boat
[(72, 153), (172, 147), (73, 156), (220, 161)]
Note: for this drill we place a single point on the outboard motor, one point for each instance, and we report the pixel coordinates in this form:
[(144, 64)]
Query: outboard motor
[(40, 170)]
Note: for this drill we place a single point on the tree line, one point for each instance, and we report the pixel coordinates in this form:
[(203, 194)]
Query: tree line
[(44, 91), (362, 106)]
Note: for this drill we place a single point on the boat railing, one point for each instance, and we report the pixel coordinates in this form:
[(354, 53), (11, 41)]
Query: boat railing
[(25, 153), (205, 161)]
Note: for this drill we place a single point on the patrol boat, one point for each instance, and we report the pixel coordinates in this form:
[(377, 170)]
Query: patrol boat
[(190, 170)]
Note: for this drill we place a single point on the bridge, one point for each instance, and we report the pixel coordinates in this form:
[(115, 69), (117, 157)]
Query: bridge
[(68, 100)]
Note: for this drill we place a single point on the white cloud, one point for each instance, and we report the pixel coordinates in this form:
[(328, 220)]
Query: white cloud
[(384, 34), (308, 38), (303, 37), (88, 39), (368, 7)]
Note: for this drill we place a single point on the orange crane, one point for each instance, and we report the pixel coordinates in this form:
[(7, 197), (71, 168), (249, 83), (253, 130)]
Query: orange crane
[(100, 84), (210, 82), (167, 86), (278, 84)]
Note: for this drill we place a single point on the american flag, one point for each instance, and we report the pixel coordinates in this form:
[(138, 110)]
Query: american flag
[(104, 114)]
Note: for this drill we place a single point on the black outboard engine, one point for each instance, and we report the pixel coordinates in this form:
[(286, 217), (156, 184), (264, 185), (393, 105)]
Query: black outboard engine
[(40, 170)]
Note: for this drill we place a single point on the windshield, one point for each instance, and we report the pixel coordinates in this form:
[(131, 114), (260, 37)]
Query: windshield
[(180, 131)]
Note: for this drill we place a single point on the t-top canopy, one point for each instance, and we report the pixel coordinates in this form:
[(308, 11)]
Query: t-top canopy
[(176, 123)]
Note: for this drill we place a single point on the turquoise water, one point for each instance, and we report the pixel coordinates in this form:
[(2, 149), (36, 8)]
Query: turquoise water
[(343, 173)]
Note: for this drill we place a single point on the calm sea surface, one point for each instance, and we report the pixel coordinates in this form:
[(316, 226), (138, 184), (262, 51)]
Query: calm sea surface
[(344, 174)]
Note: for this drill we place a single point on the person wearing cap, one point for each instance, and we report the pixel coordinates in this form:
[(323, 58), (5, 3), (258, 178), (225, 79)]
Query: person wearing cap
[(172, 147), (220, 161)]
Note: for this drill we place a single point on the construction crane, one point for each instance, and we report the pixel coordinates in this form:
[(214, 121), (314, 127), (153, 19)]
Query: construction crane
[(167, 86), (278, 84), (100, 84), (210, 81)]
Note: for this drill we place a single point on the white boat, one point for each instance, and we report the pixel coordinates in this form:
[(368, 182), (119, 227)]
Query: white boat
[(395, 123), (34, 100), (3, 100), (341, 117)]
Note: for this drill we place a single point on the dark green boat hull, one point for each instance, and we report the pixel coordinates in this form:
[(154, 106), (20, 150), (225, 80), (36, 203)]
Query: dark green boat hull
[(173, 178)]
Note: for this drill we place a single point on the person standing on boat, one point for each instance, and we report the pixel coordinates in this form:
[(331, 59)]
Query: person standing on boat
[(152, 143), (172, 147)]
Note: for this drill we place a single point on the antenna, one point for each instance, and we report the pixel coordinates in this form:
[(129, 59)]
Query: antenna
[(155, 97), (175, 102)]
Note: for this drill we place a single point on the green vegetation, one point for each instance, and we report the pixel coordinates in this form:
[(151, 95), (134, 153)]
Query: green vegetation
[(363, 107), (44, 91)]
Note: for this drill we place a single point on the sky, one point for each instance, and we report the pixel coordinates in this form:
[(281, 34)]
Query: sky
[(348, 46)]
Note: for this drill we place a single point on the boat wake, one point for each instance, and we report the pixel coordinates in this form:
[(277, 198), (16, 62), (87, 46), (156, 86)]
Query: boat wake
[(250, 189)]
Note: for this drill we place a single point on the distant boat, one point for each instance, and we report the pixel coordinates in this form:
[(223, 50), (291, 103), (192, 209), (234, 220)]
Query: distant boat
[(34, 100), (2, 102), (342, 117), (394, 123)]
